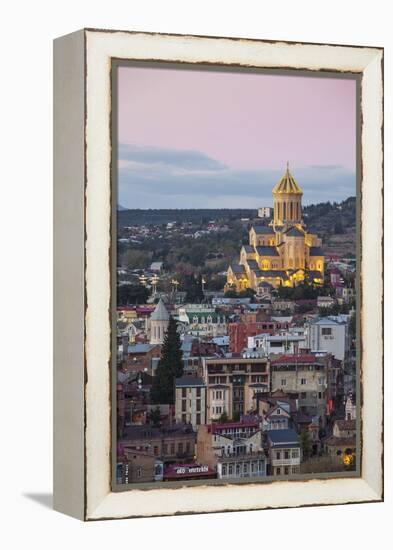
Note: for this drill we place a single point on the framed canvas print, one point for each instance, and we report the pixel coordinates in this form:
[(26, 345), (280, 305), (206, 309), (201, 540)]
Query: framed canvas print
[(218, 274)]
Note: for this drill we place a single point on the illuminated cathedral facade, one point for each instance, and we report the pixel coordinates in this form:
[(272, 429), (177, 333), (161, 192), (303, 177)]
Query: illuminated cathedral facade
[(283, 252)]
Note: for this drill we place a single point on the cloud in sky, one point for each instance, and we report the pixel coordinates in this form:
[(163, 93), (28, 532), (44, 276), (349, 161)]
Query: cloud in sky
[(153, 177), (186, 159)]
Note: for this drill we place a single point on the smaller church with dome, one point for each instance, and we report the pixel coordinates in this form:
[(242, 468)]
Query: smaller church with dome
[(283, 252)]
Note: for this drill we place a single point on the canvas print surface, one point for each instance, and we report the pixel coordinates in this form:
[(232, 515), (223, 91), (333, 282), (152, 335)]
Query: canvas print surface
[(236, 244)]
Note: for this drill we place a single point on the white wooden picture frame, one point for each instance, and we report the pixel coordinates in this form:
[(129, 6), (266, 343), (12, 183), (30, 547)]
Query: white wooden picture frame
[(82, 252)]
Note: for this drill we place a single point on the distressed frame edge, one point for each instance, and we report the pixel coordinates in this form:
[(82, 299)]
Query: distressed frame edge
[(375, 492), (69, 489)]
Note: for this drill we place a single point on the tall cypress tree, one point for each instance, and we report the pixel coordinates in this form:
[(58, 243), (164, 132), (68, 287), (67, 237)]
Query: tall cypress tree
[(169, 367)]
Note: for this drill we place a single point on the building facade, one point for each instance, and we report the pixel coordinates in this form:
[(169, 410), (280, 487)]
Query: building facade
[(231, 385), (239, 333), (234, 449), (284, 452), (159, 323), (283, 252), (190, 400), (306, 378), (329, 334)]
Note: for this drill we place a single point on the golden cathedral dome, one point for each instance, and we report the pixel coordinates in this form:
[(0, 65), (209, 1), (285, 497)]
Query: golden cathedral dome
[(287, 184)]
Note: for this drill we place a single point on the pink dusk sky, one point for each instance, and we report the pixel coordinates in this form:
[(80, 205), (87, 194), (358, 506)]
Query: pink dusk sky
[(200, 139)]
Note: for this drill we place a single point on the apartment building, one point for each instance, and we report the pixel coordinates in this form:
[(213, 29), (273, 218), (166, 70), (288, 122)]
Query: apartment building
[(190, 400), (234, 449), (232, 383), (284, 452)]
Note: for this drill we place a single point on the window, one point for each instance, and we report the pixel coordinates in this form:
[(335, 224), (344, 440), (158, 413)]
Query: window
[(303, 381), (326, 331), (286, 470), (283, 381), (278, 455), (278, 471), (183, 392), (198, 392), (172, 448), (198, 418), (164, 448), (295, 453), (184, 405), (224, 470), (180, 448), (230, 469), (278, 411), (184, 418), (155, 450), (286, 455)]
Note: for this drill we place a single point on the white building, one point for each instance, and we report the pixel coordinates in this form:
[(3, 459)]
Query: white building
[(265, 212), (190, 404), (199, 320), (329, 334), (278, 343), (159, 320)]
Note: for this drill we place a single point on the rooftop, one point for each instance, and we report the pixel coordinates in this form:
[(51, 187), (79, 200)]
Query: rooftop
[(189, 381), (283, 437), (160, 313), (294, 359), (263, 230), (294, 232), (287, 184), (140, 348), (267, 251)]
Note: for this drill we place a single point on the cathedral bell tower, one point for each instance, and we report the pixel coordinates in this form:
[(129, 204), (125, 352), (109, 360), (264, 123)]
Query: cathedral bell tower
[(287, 197)]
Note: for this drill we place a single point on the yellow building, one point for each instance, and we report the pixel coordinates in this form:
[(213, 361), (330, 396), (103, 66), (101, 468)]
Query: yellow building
[(283, 252)]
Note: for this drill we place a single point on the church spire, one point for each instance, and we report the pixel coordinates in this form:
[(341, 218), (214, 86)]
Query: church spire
[(287, 196)]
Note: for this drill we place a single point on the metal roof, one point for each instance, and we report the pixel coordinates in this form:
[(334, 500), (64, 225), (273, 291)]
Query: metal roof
[(160, 313)]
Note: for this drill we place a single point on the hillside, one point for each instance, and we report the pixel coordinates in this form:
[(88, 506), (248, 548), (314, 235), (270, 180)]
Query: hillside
[(196, 216), (192, 243)]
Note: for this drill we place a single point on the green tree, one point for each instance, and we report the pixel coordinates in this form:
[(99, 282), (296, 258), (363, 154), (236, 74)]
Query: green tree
[(132, 294), (169, 367), (223, 418), (305, 443), (154, 416), (135, 259), (193, 287)]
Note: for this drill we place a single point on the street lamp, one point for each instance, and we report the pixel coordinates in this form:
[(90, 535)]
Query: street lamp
[(175, 284), (154, 281)]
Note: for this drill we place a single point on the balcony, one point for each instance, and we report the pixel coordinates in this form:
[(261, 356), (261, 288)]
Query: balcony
[(230, 457), (285, 461)]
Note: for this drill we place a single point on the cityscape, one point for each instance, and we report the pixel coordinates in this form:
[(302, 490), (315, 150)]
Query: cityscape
[(236, 346), (255, 379)]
